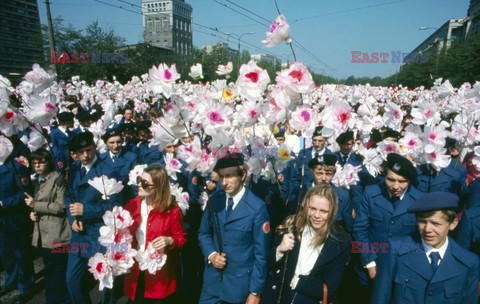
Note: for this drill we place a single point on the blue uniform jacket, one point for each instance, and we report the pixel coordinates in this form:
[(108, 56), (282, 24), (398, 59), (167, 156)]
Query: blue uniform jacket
[(328, 268), (409, 278), (14, 181), (450, 179), (60, 143), (468, 232), (303, 158), (94, 207), (377, 221), (246, 238), (149, 155), (354, 159), (123, 165)]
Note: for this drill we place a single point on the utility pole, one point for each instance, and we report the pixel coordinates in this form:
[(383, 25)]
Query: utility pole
[(53, 65)]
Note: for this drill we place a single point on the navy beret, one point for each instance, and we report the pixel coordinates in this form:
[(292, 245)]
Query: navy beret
[(389, 133), (318, 131), (231, 160), (83, 116), (325, 159), (450, 143), (344, 137), (81, 140), (65, 117), (111, 133), (280, 133), (401, 166), (143, 125), (127, 127), (434, 201)]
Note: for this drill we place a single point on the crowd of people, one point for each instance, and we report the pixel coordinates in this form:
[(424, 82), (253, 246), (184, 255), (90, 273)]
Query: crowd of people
[(323, 215)]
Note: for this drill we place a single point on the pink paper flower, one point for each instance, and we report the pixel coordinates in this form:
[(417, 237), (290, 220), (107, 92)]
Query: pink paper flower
[(425, 113), (151, 260), (120, 259), (162, 79), (279, 31), (252, 81), (6, 147), (118, 218), (296, 78), (393, 116), (101, 271), (41, 109), (225, 69), (304, 119), (172, 166)]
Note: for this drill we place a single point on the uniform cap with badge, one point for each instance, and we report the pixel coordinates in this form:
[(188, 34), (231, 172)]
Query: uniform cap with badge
[(81, 140), (111, 133), (344, 137), (323, 160), (231, 160), (401, 166), (318, 131)]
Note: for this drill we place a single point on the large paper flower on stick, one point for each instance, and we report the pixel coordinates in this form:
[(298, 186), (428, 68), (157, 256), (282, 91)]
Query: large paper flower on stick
[(6, 147), (162, 79), (278, 32), (151, 260), (106, 186), (252, 81)]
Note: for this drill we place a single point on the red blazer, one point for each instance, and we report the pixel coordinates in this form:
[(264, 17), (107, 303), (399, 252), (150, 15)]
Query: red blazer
[(164, 282)]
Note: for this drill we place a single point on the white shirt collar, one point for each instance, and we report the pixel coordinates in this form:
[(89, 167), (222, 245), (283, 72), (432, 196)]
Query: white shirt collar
[(89, 165), (321, 152), (429, 249), (236, 198), (112, 155), (401, 195), (63, 130)]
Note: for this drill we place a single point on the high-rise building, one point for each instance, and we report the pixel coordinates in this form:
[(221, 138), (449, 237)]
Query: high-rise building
[(20, 38), (168, 24), (473, 18)]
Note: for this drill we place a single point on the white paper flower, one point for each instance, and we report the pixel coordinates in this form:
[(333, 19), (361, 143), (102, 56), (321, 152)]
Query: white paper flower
[(346, 176), (151, 260), (134, 173), (181, 197), (121, 259), (196, 71), (106, 186), (6, 147), (279, 31), (101, 270), (118, 218), (225, 69), (172, 166), (476, 158)]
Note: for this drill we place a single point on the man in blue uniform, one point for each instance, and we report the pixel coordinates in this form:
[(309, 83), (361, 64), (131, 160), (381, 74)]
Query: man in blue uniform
[(60, 138), (383, 213), (346, 155), (15, 229), (234, 237), (450, 179), (85, 119), (85, 209), (299, 167), (119, 159), (148, 153), (435, 270)]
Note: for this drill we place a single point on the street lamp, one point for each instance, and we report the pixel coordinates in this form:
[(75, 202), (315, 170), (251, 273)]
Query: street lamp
[(239, 39), (437, 42)]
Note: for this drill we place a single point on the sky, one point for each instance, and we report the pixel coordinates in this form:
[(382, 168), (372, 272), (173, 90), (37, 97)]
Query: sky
[(324, 32)]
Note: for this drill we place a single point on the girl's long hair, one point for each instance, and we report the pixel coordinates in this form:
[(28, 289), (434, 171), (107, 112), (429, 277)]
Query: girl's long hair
[(327, 192), (161, 196)]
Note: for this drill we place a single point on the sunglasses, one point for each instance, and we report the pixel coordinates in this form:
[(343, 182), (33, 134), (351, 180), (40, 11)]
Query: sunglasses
[(143, 183)]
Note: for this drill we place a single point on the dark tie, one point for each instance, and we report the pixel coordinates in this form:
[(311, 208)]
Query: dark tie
[(114, 158), (229, 206), (395, 201), (317, 155), (345, 157), (435, 256), (83, 172)]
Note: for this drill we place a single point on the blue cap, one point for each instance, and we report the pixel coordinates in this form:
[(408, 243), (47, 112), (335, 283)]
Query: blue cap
[(401, 166), (434, 201), (325, 159), (231, 160)]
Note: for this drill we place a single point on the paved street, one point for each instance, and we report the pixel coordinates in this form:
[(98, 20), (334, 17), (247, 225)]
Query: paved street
[(39, 290)]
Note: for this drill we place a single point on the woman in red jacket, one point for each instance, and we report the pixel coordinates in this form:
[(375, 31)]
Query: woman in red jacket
[(157, 220)]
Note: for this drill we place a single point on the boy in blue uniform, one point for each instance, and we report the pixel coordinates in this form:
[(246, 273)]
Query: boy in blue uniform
[(85, 209), (346, 155), (435, 270), (383, 214), (234, 237), (15, 229), (60, 138), (119, 159), (148, 153)]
